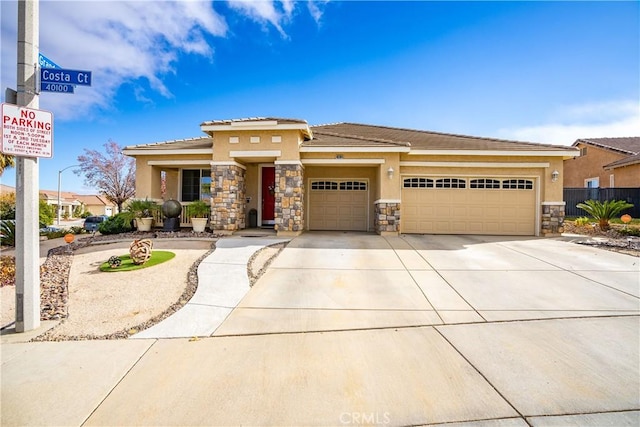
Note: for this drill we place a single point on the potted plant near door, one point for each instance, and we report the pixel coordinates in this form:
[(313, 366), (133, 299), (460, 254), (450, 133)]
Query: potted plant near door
[(142, 211), (199, 212)]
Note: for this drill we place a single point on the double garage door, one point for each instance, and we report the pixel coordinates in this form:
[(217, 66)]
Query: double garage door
[(483, 205), (338, 205)]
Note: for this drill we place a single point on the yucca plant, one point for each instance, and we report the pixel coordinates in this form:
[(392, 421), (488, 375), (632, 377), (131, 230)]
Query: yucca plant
[(604, 211), (8, 232)]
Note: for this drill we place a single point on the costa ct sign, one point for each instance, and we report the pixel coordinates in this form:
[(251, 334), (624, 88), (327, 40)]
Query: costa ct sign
[(61, 75), (26, 132)]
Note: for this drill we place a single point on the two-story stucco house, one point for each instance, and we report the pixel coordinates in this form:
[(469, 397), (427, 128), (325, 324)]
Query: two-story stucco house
[(294, 177), (604, 163)]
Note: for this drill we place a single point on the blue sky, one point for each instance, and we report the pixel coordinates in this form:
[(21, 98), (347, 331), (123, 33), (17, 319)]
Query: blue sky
[(548, 72)]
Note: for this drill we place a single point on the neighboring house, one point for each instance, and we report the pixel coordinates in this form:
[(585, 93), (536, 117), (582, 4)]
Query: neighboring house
[(294, 177), (97, 205), (69, 201), (604, 163)]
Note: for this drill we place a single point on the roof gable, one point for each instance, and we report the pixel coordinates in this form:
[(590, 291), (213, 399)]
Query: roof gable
[(625, 145)]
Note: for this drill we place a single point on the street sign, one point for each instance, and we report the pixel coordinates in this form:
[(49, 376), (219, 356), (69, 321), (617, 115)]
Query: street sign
[(26, 132), (52, 87), (46, 62), (61, 75), (56, 87)]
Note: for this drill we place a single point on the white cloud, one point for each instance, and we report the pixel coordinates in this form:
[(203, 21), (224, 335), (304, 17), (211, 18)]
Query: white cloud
[(125, 41), (594, 120), (265, 11), (316, 9)]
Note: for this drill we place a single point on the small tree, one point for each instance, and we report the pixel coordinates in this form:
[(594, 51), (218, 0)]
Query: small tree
[(112, 173), (603, 212), (8, 205), (46, 213)]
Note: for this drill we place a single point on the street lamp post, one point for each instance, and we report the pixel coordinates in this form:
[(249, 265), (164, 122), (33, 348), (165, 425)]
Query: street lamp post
[(59, 181)]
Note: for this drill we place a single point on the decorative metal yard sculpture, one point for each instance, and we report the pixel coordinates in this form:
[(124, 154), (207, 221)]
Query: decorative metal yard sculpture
[(114, 261), (140, 251)]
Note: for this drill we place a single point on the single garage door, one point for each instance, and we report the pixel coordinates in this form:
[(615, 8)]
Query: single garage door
[(338, 205), (484, 205)]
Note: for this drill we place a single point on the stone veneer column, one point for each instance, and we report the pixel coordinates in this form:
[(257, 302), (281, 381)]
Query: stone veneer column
[(289, 195), (387, 216), (227, 198), (552, 218)]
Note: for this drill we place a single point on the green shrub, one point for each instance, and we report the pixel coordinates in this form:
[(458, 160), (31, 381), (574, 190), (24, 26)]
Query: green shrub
[(8, 206), (55, 234), (629, 231), (583, 220), (46, 213), (120, 223), (77, 230), (604, 211), (8, 233)]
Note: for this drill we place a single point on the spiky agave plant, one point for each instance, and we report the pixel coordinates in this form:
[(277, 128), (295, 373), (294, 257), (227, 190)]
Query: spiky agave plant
[(604, 211)]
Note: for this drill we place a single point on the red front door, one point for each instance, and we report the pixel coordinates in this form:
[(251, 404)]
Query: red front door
[(268, 197)]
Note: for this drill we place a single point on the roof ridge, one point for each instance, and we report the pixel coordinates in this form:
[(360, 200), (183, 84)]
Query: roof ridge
[(149, 144), (247, 119)]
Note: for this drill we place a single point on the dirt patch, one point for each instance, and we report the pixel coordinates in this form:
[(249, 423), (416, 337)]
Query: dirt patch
[(611, 240), (115, 305)]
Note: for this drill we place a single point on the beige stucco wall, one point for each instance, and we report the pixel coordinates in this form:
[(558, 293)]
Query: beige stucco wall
[(626, 176), (288, 147), (591, 166), (251, 180), (148, 178)]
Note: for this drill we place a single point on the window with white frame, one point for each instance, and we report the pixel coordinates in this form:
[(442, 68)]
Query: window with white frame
[(592, 182)]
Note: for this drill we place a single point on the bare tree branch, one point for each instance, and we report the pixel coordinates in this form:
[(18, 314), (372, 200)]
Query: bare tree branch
[(112, 173)]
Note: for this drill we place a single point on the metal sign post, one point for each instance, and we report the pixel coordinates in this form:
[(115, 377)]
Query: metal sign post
[(27, 177)]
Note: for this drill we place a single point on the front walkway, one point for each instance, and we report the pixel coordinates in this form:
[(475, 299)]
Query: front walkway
[(222, 283)]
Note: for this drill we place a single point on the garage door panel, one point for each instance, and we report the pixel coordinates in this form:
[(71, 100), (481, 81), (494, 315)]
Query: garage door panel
[(343, 209), (507, 211)]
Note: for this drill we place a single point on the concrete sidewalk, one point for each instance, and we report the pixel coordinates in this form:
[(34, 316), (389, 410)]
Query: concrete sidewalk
[(353, 329)]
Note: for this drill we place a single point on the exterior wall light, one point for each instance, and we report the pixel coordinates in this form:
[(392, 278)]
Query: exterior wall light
[(555, 175), (390, 172)]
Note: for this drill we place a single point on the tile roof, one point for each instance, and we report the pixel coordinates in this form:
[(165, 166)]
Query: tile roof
[(627, 161), (92, 199), (331, 139), (200, 142), (626, 145), (346, 133)]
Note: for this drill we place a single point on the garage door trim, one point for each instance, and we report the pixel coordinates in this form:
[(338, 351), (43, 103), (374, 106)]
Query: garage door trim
[(486, 175)]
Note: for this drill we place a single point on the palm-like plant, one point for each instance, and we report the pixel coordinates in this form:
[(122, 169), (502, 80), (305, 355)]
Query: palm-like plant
[(6, 161), (604, 211)]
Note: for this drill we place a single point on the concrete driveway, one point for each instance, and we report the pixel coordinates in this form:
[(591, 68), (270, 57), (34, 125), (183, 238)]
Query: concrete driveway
[(355, 329), (345, 281)]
